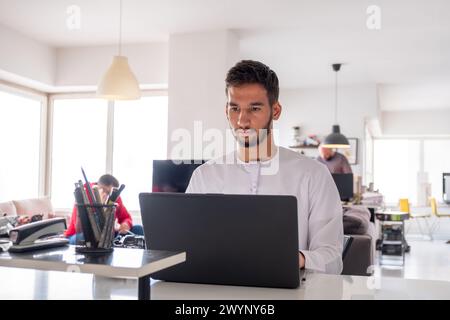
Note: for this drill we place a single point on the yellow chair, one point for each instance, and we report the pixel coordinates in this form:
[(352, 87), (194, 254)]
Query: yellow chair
[(438, 215), (404, 207)]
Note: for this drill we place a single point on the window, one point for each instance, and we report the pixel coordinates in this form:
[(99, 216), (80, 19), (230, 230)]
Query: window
[(401, 167), (396, 167), (79, 139), (20, 132), (436, 161), (119, 137), (140, 135)]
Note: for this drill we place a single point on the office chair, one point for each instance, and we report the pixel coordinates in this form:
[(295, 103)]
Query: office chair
[(404, 207), (437, 215)]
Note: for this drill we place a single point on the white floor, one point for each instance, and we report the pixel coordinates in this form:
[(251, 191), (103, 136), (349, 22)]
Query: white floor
[(427, 259)]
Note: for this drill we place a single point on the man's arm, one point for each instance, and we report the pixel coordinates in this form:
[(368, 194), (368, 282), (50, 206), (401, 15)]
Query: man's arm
[(325, 227), (123, 217), (71, 230), (301, 260)]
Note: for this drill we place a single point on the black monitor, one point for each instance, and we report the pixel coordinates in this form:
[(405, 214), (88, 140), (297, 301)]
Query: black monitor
[(344, 184), (173, 175)]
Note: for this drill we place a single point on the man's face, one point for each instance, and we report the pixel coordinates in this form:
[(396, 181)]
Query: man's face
[(326, 153), (105, 191), (250, 114)]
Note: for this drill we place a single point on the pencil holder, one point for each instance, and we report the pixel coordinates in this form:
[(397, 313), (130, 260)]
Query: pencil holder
[(95, 228)]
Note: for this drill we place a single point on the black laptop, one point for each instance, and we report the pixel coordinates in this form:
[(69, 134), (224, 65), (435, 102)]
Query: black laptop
[(248, 240)]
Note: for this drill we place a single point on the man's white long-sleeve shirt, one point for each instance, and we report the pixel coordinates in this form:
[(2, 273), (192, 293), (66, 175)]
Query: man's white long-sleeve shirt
[(320, 226)]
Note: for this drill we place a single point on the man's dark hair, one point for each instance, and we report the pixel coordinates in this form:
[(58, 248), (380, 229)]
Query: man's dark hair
[(108, 180), (248, 72)]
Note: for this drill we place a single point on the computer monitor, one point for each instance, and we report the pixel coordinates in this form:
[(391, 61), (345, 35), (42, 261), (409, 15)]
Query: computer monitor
[(173, 176), (248, 240), (344, 184)]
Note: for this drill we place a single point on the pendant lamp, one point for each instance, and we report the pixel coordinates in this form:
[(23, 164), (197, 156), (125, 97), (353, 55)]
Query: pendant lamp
[(119, 82), (336, 139)]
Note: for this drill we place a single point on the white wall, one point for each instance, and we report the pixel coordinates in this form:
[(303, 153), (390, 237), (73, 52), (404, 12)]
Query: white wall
[(24, 57), (416, 122), (85, 66), (198, 64), (404, 97), (313, 110), (28, 62)]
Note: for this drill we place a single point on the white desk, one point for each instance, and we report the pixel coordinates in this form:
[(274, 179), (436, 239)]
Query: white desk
[(31, 284), (316, 286), (121, 262)]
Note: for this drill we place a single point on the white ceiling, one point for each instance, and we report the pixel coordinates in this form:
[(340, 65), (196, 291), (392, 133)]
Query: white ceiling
[(151, 20), (299, 39)]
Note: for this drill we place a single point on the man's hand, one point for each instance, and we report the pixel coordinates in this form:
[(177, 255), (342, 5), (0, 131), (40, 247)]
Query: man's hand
[(124, 228), (301, 258)]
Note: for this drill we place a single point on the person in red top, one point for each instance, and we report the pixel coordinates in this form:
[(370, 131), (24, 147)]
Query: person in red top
[(124, 222)]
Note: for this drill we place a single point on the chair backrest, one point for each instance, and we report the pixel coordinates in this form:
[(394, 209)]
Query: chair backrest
[(404, 205), (433, 206)]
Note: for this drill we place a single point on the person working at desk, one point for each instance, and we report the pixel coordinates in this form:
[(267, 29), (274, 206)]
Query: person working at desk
[(336, 162), (258, 166), (124, 221)]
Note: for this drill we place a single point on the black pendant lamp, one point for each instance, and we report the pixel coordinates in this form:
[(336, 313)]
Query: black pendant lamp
[(336, 139)]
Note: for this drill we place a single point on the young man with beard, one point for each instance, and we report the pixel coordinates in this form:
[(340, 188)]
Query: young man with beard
[(258, 166)]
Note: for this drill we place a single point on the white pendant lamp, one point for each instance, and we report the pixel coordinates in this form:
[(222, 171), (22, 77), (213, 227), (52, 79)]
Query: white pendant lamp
[(336, 140), (119, 82)]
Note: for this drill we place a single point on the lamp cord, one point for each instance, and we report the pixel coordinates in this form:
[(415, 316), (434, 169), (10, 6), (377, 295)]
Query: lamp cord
[(335, 99), (120, 28)]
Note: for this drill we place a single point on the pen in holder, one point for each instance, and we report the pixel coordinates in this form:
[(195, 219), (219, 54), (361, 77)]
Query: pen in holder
[(95, 220), (95, 232)]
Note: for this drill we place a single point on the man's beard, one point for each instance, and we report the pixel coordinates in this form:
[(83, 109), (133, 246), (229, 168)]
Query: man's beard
[(261, 136)]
